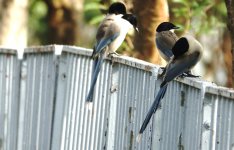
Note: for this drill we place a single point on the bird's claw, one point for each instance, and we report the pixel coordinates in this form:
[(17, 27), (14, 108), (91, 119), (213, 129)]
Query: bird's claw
[(182, 76), (193, 76), (162, 68), (188, 75), (113, 53), (163, 72)]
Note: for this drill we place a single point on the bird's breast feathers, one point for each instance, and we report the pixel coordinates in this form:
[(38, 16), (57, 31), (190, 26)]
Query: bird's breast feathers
[(113, 25), (120, 26)]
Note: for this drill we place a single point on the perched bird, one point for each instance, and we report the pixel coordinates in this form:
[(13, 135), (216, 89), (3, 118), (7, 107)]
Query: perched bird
[(111, 33), (187, 52), (165, 39)]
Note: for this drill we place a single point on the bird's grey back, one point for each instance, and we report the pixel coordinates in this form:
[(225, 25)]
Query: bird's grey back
[(165, 40), (194, 45), (104, 27)]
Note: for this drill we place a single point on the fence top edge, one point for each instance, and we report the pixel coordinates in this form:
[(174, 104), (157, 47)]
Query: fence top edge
[(5, 50), (199, 83), (130, 61)]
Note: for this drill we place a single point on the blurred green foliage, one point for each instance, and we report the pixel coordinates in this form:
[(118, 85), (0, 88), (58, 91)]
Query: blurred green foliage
[(199, 16), (94, 10), (37, 24)]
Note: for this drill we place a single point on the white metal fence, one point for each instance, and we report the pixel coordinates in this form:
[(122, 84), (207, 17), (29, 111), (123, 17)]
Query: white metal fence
[(42, 105)]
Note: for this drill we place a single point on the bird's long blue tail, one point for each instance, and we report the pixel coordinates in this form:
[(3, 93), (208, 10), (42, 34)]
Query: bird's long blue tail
[(153, 107), (96, 69)]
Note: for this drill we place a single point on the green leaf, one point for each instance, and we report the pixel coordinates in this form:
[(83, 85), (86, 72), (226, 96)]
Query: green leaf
[(39, 9), (97, 19), (94, 6), (181, 12), (182, 2)]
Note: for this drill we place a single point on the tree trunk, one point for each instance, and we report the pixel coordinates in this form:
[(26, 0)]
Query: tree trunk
[(151, 13), (230, 24), (65, 21), (225, 47), (13, 23)]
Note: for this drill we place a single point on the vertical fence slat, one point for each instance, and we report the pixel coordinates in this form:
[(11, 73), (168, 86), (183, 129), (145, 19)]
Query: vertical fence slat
[(9, 100)]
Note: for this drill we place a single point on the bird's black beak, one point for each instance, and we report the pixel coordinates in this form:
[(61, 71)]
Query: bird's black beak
[(176, 27)]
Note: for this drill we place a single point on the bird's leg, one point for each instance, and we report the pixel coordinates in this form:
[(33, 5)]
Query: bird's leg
[(188, 74), (191, 75), (163, 69), (113, 53), (183, 75), (163, 72)]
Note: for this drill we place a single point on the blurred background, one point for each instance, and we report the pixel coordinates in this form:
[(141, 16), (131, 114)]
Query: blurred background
[(74, 22)]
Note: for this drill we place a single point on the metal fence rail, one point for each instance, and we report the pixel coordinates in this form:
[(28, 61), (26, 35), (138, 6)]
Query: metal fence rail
[(42, 105)]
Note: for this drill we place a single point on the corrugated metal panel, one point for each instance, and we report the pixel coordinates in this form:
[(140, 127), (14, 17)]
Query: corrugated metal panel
[(178, 120), (218, 126), (9, 93), (36, 101), (133, 97), (42, 105), (75, 127)]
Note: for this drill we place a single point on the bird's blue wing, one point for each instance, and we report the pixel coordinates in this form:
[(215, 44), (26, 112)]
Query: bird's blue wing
[(153, 107), (178, 68), (99, 48), (164, 48), (96, 69), (103, 43)]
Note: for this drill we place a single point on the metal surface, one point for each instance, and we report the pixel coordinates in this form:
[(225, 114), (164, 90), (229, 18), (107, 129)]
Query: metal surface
[(218, 122), (9, 99), (36, 101), (132, 98), (181, 113), (42, 105), (74, 126)]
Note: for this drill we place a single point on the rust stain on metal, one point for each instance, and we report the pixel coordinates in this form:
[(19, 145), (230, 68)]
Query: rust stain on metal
[(148, 68)]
